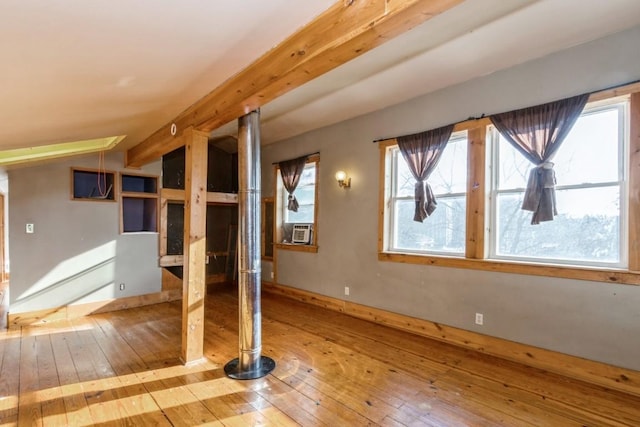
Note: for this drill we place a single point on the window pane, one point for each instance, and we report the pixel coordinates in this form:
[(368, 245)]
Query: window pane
[(443, 231), (308, 175), (305, 195), (589, 154), (405, 181), (304, 214), (587, 228), (450, 175), (514, 167)]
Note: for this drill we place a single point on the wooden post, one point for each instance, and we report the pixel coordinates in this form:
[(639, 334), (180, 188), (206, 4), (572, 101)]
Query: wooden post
[(195, 249), (476, 192)]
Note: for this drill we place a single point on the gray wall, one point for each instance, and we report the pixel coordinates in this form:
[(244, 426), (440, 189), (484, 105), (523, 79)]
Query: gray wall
[(4, 189), (77, 253), (598, 321)]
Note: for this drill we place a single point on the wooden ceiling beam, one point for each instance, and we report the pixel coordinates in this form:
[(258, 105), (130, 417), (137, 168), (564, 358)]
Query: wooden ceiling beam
[(343, 32)]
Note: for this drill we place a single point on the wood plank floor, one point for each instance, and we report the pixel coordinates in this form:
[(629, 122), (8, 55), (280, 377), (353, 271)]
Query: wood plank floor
[(122, 368)]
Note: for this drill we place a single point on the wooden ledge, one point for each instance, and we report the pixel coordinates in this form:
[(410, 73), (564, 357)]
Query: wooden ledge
[(565, 272), (296, 248)]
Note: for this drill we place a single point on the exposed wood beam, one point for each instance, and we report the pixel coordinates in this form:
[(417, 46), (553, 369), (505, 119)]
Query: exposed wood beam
[(195, 248), (343, 32)]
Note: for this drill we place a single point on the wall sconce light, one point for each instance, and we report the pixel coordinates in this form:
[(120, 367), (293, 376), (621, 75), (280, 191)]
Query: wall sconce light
[(343, 180)]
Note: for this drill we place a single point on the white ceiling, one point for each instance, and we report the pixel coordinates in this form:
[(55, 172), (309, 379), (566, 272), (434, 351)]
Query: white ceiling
[(78, 69)]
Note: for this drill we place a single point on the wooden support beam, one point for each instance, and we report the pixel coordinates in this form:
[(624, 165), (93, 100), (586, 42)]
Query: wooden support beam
[(195, 248), (343, 32)]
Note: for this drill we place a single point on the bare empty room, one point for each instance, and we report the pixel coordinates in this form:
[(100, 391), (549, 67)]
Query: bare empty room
[(341, 213)]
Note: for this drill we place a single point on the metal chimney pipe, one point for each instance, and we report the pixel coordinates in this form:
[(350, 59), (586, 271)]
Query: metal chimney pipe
[(250, 364)]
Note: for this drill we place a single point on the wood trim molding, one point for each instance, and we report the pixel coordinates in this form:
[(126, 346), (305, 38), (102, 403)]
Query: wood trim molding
[(41, 317), (296, 248), (178, 195), (599, 373), (382, 186), (565, 272), (476, 167), (343, 32), (634, 181), (170, 281)]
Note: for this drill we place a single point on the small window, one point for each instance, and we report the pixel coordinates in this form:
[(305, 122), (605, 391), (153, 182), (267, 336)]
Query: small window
[(444, 231), (91, 184), (139, 203), (305, 217)]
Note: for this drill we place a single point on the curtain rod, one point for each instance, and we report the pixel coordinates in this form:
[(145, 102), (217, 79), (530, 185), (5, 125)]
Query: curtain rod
[(375, 141), (456, 123), (304, 155)]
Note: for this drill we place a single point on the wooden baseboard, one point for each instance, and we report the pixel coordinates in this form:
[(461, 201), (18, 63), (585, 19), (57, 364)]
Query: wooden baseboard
[(602, 374), (39, 317)]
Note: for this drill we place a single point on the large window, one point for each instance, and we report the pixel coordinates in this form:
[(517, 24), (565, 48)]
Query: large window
[(296, 229), (590, 227), (479, 185), (443, 231)]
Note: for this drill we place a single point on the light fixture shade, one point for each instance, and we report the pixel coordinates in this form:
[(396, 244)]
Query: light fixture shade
[(341, 176)]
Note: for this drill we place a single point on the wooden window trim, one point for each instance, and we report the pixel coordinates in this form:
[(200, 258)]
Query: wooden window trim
[(139, 195), (476, 199), (313, 246), (114, 174), (297, 248), (263, 227)]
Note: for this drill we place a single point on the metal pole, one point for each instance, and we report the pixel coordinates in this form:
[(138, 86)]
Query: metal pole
[(250, 364)]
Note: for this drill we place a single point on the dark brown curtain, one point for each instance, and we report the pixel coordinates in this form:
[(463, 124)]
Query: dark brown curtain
[(291, 171), (537, 133), (422, 151)]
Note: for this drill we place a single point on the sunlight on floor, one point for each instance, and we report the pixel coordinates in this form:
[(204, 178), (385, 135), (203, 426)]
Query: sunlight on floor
[(148, 392)]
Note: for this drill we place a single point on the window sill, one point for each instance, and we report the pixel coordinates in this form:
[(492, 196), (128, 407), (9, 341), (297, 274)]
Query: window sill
[(297, 248), (567, 272)]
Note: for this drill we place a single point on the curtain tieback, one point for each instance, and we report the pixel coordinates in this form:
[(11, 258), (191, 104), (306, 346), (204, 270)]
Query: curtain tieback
[(293, 203), (546, 177), (539, 196)]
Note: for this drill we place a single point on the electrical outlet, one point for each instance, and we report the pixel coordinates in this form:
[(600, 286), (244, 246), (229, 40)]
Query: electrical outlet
[(122, 286), (272, 275), (29, 228), (346, 290), (479, 319)]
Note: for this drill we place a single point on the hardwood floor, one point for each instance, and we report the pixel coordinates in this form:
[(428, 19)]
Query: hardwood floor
[(122, 368)]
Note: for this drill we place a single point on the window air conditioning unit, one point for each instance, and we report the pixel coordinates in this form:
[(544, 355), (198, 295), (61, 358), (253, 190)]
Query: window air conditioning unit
[(301, 233)]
